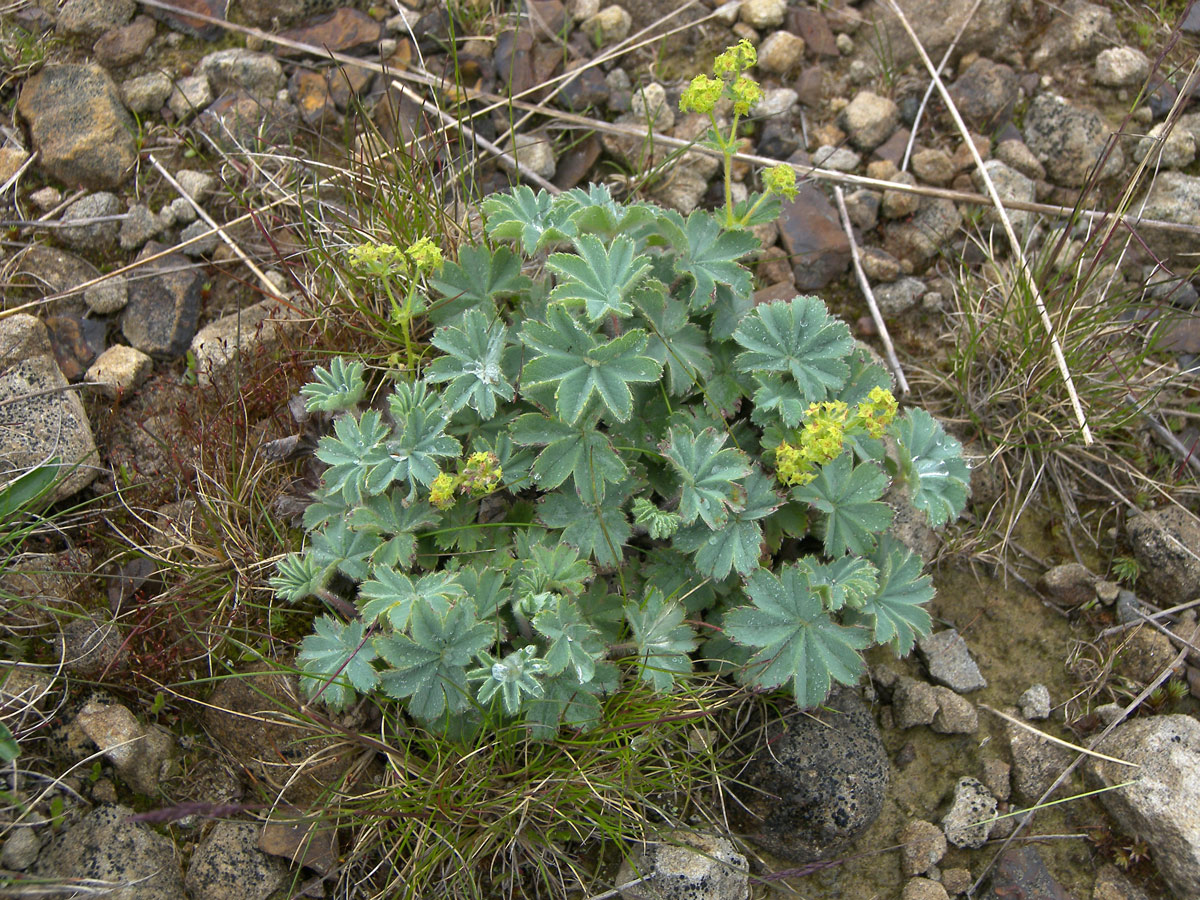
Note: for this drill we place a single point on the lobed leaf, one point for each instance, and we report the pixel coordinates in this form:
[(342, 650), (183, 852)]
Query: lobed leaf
[(473, 364), (849, 497), (797, 337), (708, 471), (663, 640), (335, 661), (931, 464), (600, 278)]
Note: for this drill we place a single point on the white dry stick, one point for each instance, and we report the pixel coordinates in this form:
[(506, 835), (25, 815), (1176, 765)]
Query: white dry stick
[(1018, 253), (912, 137), (267, 285), (888, 349)]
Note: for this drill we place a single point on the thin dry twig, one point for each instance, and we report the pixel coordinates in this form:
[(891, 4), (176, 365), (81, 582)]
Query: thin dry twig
[(1117, 629), (886, 339), (1052, 739), (1010, 233)]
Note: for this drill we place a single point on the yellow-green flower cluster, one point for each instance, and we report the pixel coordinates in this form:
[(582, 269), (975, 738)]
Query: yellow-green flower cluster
[(478, 475), (781, 180), (876, 412), (703, 93), (823, 437), (426, 255), (737, 59), (377, 258), (481, 474)]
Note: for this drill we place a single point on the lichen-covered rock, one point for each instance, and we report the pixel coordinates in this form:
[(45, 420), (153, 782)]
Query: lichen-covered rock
[(1069, 140), (1166, 542), (80, 129), (923, 845), (820, 782), (972, 815), (229, 866), (105, 846), (687, 866)]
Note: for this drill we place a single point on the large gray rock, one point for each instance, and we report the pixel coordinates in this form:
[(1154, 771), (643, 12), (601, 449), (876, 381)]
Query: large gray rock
[(1078, 31), (98, 226), (686, 866), (936, 23), (1166, 542), (105, 847), (44, 420), (819, 783), (984, 92), (1173, 197), (926, 236), (1162, 804), (219, 343), (164, 305), (140, 755), (1069, 140), (229, 866), (949, 661), (91, 18), (869, 120), (258, 74), (1010, 185), (80, 129)]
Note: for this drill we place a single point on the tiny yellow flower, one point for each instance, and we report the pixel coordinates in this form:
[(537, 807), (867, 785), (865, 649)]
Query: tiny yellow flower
[(735, 60), (877, 411), (425, 255), (746, 93), (791, 466), (441, 493), (481, 474), (377, 259), (781, 180), (701, 95)]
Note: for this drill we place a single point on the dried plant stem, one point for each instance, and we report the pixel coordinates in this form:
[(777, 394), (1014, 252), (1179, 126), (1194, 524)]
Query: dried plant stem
[(1014, 243), (889, 349), (270, 289)]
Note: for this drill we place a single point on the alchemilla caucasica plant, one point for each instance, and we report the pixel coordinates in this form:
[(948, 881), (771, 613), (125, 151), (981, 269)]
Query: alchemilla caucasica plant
[(621, 469)]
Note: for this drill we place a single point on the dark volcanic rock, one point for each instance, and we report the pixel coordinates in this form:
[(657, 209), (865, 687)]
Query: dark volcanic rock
[(193, 25), (810, 232), (78, 125), (1021, 875), (164, 304), (344, 30), (820, 783), (985, 92), (121, 46)]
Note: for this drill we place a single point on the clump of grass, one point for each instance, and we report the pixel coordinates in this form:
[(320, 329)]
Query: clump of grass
[(499, 815)]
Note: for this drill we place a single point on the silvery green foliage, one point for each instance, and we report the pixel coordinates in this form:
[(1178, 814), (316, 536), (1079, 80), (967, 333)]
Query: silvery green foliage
[(637, 531)]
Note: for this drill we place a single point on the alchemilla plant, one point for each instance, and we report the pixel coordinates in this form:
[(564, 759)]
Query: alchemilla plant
[(622, 470)]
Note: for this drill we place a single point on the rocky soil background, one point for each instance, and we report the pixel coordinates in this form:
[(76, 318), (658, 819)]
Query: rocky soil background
[(131, 129)]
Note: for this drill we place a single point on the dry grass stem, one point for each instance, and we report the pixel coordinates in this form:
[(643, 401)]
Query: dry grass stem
[(885, 338)]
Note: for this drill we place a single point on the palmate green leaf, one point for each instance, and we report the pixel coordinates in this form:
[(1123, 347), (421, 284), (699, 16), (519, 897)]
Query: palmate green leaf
[(420, 439), (709, 255), (335, 661), (799, 338), (680, 346), (473, 364), (533, 219), (601, 279), (574, 644), (580, 366), (388, 516), (708, 472), (338, 388), (429, 668), (325, 506), (779, 396), (599, 530), (932, 466), (674, 574), (578, 452), (728, 311), (660, 524), (849, 497), (894, 611), (392, 595), (593, 211), (540, 569), (567, 701), (738, 545), (663, 640), (353, 447), (726, 386), (797, 640), (337, 547), (514, 677), (479, 280), (847, 581), (486, 588), (300, 575)]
